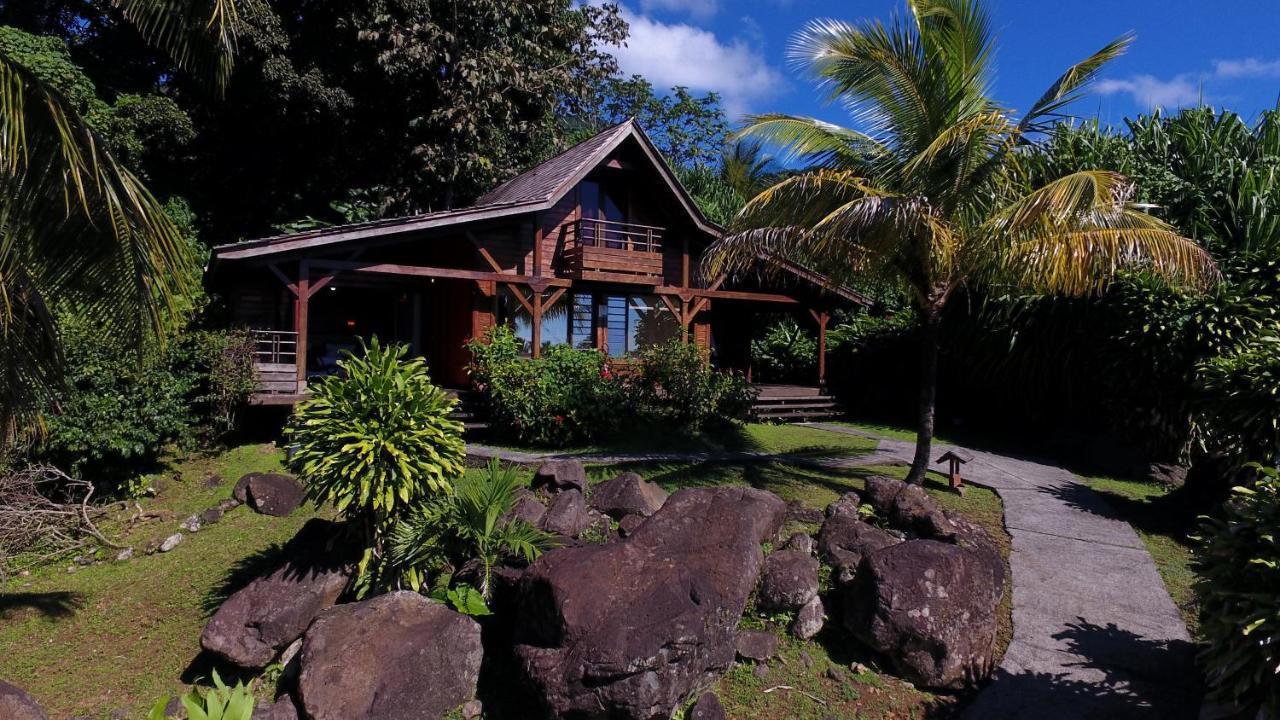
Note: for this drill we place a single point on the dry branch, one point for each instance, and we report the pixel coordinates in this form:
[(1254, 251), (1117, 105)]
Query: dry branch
[(45, 514)]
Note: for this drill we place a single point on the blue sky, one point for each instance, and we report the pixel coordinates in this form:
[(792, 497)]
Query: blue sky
[(1224, 51)]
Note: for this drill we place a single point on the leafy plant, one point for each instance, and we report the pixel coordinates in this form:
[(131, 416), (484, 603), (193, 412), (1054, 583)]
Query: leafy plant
[(376, 443), (1238, 564), (674, 385), (786, 353), (221, 702), (469, 524)]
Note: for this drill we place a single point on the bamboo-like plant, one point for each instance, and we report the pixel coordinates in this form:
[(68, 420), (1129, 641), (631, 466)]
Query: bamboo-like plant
[(929, 191), (77, 228)]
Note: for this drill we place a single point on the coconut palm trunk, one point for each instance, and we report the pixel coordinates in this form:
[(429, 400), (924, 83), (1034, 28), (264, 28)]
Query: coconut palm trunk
[(929, 191)]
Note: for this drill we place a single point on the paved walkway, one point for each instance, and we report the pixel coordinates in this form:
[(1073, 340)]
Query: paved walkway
[(1095, 633)]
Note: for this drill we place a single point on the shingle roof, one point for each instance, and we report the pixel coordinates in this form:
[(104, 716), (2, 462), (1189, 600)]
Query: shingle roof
[(542, 182)]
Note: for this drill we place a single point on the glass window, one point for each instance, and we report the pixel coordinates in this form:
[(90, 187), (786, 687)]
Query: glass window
[(637, 322), (582, 324)]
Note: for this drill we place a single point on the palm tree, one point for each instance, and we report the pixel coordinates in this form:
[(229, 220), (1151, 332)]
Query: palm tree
[(77, 229), (929, 192)]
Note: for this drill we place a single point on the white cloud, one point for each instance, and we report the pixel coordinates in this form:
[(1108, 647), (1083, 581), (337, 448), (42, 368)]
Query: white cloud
[(1150, 91), (1246, 68), (701, 9), (680, 54)]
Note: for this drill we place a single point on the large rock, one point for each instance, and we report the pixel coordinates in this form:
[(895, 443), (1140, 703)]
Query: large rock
[(756, 645), (527, 508), (282, 709), (708, 707), (907, 507), (846, 504), (930, 608), (262, 618), (629, 629), (844, 540), (789, 580), (975, 538), (398, 656), (274, 494), (627, 494), (567, 515), (809, 620), (559, 475), (18, 705)]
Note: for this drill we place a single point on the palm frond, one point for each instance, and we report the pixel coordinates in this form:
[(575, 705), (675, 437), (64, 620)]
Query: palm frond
[(1072, 84), (199, 35), (810, 141), (957, 36), (77, 226), (1064, 200)]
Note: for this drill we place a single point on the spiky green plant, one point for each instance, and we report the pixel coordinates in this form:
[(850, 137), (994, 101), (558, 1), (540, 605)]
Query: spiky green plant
[(376, 442), (468, 524), (78, 229), (928, 190), (221, 702)]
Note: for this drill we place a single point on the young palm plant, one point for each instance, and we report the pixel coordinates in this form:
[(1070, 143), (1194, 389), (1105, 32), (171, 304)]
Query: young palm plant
[(468, 524), (929, 191), (77, 229)]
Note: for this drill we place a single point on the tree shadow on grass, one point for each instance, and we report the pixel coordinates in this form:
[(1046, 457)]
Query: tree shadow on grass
[(245, 571), (59, 604)]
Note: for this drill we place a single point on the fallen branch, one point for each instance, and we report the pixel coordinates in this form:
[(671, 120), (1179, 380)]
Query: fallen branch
[(811, 696), (47, 514)]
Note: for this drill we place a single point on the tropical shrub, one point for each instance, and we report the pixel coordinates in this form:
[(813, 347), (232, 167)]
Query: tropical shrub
[(675, 386), (1238, 564), (464, 526), (376, 443), (785, 353), (567, 395), (1240, 400)]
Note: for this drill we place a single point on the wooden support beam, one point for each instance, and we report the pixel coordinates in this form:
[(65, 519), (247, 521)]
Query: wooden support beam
[(555, 298), (300, 321), (515, 290), (537, 324), (438, 272), (822, 317), (275, 269)]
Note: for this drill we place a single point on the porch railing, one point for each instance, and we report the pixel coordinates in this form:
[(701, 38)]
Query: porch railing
[(275, 364), (275, 346), (631, 237), (611, 251)]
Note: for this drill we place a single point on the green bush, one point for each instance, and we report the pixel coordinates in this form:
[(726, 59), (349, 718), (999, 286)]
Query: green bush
[(220, 703), (1240, 400), (1238, 564), (675, 386), (376, 443), (786, 353), (465, 526), (568, 395)]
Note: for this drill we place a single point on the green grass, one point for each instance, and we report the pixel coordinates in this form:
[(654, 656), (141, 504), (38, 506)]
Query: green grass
[(753, 437), (121, 635), (1163, 527)]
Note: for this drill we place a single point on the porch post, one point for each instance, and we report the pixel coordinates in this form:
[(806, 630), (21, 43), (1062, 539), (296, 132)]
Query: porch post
[(823, 317), (300, 307), (537, 323)]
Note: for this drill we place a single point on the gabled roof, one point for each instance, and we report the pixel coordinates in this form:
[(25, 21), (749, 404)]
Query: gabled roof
[(534, 190)]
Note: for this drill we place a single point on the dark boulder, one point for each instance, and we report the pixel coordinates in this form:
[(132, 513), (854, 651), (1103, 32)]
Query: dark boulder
[(282, 709), (788, 581), (559, 475), (627, 494), (395, 657), (631, 628), (880, 493), (756, 645), (527, 508), (18, 705), (930, 608), (916, 512), (977, 540), (274, 494), (258, 621), (810, 620), (847, 504), (845, 540), (1166, 474), (567, 515), (803, 514), (799, 542), (240, 491), (707, 707), (629, 524)]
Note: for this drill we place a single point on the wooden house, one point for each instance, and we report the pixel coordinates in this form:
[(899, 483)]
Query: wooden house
[(598, 247)]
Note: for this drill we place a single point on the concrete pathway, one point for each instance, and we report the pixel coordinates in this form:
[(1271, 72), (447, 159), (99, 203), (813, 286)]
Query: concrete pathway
[(1095, 633)]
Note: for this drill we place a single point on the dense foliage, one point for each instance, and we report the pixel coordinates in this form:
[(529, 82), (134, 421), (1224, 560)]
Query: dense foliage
[(376, 442), (1239, 593), (116, 412), (468, 525), (784, 353), (571, 395)]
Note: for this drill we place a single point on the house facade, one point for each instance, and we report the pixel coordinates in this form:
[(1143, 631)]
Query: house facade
[(599, 247)]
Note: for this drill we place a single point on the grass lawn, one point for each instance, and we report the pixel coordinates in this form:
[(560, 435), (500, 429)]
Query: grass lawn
[(118, 636), (760, 438), (1164, 529), (121, 635)]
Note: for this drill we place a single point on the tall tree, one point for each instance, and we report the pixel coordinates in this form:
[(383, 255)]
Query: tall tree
[(689, 129), (929, 191), (76, 227)]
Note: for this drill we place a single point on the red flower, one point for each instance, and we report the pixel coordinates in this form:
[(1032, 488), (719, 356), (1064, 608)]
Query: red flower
[(559, 419)]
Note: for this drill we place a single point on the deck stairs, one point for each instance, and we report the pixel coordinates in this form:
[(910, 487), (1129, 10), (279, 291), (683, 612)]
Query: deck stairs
[(793, 403)]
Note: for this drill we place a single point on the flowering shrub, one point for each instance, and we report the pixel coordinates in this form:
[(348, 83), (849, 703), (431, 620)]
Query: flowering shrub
[(675, 386)]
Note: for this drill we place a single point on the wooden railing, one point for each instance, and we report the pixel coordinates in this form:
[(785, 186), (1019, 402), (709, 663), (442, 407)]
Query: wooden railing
[(611, 251), (275, 363), (631, 237)]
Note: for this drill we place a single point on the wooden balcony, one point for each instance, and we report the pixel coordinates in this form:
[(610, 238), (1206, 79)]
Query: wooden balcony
[(611, 251), (275, 363)]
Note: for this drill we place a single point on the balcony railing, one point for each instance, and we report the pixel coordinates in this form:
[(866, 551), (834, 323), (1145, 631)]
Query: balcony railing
[(275, 364), (612, 251)]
